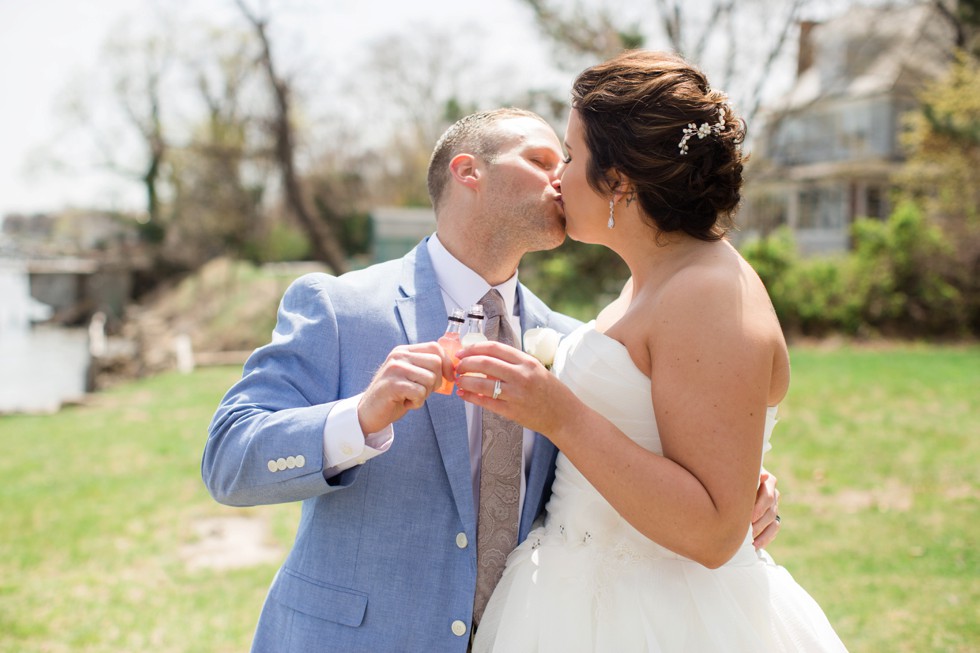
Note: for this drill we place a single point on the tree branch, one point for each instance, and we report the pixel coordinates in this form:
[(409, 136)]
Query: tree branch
[(755, 98), (325, 244)]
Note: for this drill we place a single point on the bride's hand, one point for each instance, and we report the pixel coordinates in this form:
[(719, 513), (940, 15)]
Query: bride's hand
[(529, 394), (765, 514)]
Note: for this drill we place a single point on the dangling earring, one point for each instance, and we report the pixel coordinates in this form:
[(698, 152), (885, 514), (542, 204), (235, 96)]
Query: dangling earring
[(612, 219)]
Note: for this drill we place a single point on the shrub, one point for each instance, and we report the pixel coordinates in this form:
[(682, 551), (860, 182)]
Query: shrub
[(773, 258), (905, 273), (281, 242), (901, 279)]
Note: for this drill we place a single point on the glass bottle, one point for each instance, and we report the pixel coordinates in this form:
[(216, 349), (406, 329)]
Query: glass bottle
[(474, 326), (474, 329), (450, 342)]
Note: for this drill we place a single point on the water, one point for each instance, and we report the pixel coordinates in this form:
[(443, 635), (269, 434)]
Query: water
[(41, 367)]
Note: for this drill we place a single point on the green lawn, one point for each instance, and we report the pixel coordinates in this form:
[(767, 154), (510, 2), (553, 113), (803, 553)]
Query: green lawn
[(97, 502), (877, 454)]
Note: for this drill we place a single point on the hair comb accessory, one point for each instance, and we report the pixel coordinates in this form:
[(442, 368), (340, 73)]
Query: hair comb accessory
[(705, 129)]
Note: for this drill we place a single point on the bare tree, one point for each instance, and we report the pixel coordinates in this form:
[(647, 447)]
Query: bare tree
[(581, 31), (324, 242), (139, 69), (220, 173), (964, 17), (416, 78), (744, 39)]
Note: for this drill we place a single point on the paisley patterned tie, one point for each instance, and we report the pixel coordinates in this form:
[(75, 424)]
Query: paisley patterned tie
[(500, 476)]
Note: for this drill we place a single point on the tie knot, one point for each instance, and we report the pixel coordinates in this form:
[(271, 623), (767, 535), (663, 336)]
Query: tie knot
[(497, 325), (493, 304)]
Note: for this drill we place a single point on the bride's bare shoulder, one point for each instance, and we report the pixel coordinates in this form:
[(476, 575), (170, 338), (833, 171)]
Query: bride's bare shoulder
[(719, 296)]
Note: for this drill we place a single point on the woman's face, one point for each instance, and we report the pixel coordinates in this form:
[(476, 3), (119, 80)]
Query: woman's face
[(586, 211)]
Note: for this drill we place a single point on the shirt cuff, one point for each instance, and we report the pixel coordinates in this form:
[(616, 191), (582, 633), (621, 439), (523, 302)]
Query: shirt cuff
[(344, 443)]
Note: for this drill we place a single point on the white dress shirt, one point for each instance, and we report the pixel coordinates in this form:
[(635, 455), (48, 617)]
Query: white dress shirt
[(345, 445)]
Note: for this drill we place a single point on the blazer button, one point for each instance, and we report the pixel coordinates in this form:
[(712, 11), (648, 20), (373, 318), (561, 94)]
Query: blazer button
[(273, 467), (290, 462), (281, 464), (459, 628), (300, 460), (461, 540)]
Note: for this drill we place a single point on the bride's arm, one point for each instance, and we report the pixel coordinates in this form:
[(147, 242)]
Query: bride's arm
[(711, 364), (765, 512)]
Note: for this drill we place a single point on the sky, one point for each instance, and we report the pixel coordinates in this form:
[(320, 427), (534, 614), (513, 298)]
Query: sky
[(51, 47), (47, 46)]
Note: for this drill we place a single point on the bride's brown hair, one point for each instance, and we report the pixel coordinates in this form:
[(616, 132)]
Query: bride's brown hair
[(635, 109)]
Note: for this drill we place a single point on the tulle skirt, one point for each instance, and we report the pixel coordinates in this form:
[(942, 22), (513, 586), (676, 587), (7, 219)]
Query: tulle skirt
[(564, 593)]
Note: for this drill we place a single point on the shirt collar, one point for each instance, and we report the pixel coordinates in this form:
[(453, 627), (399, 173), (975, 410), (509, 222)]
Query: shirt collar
[(461, 285)]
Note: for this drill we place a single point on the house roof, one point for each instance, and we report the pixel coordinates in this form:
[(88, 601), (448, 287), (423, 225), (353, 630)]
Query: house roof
[(871, 51)]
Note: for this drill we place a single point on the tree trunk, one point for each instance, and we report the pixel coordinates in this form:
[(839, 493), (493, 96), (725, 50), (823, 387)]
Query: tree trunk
[(324, 242)]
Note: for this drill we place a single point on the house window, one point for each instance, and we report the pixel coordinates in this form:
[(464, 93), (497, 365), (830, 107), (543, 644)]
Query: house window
[(764, 212), (876, 202), (821, 208)]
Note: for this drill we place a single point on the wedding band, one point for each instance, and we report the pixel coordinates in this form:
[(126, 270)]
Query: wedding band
[(496, 390)]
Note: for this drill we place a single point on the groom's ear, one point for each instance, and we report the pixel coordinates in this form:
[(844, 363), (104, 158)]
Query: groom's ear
[(465, 170)]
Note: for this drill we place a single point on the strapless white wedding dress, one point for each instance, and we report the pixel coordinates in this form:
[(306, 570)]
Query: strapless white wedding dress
[(588, 581)]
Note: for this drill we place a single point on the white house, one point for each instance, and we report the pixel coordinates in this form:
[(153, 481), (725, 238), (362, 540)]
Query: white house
[(827, 150)]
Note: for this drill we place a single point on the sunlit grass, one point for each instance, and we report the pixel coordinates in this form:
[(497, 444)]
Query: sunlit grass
[(97, 502), (876, 451), (877, 454)]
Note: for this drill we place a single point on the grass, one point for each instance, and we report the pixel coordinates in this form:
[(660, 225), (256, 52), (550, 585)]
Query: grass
[(877, 455), (97, 502)]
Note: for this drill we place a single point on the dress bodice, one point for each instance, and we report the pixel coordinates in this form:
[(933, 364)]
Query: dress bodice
[(600, 371)]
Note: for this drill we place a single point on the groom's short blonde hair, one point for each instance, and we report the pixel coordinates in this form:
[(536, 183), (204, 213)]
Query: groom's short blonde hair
[(475, 134)]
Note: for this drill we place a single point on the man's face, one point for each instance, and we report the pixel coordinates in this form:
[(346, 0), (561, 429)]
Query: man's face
[(520, 193)]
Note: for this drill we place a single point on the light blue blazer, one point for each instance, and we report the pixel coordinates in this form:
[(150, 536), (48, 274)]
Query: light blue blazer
[(385, 553)]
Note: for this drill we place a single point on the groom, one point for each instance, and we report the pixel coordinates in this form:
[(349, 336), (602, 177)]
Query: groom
[(385, 554)]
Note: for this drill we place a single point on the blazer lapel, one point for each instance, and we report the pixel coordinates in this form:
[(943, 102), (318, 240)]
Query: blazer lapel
[(534, 313), (423, 316)]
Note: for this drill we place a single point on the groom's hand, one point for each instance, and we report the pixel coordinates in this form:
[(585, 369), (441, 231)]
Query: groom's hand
[(405, 380), (765, 514)]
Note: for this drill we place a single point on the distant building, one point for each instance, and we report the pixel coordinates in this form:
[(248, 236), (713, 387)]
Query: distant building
[(396, 230), (18, 308), (828, 149), (68, 233), (77, 262), (40, 368)]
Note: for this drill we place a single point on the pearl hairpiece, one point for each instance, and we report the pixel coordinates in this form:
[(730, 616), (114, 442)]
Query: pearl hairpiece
[(704, 130)]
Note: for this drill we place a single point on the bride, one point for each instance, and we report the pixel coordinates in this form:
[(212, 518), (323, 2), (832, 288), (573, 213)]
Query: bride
[(662, 407)]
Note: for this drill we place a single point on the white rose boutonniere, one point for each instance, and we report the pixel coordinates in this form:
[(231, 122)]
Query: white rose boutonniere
[(542, 343)]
